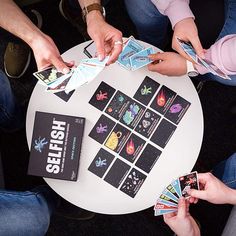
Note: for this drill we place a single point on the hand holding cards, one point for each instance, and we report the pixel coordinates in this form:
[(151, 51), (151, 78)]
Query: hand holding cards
[(168, 200)]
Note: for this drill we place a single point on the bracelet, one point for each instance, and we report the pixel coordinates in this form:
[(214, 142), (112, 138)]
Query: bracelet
[(92, 7)]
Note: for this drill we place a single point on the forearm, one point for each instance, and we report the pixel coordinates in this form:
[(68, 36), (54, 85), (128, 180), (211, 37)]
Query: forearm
[(16, 22), (222, 54), (232, 197)]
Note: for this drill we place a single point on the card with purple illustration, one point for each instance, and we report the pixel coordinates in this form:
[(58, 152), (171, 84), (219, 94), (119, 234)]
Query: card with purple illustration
[(148, 123), (133, 182), (148, 158), (101, 162), (102, 96), (102, 129), (132, 114), (163, 133), (118, 105), (163, 99), (141, 59), (177, 109), (146, 90), (132, 148), (117, 173), (117, 138)]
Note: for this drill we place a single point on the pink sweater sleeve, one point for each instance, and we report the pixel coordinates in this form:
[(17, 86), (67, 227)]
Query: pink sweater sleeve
[(176, 10), (223, 55)]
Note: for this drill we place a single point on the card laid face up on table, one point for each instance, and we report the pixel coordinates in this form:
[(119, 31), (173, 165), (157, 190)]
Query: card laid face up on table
[(168, 200)]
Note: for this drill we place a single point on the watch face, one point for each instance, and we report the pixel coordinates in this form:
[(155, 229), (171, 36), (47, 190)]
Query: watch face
[(193, 73)]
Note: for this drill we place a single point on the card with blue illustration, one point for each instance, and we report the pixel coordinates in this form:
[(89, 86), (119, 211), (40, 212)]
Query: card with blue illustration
[(141, 58)]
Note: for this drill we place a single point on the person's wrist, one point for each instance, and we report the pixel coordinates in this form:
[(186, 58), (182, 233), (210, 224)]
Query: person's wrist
[(231, 196), (94, 16)]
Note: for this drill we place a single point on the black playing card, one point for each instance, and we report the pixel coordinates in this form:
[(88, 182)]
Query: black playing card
[(102, 129), (132, 148), (117, 173), (146, 90), (102, 96), (64, 96), (148, 158), (132, 114), (101, 162), (163, 100), (177, 109), (163, 133), (117, 138), (133, 182), (148, 123), (118, 105)]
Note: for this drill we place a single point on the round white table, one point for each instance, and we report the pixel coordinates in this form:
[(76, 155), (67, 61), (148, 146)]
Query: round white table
[(178, 157)]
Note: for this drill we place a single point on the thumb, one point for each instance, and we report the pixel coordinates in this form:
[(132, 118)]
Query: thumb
[(198, 47), (100, 49), (157, 56), (60, 65), (201, 194), (182, 208)]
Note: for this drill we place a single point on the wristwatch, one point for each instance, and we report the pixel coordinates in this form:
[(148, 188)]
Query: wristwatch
[(191, 71), (93, 7)]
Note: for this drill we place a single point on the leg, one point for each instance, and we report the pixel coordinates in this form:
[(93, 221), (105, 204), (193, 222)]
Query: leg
[(226, 171), (150, 23), (26, 213), (11, 116)]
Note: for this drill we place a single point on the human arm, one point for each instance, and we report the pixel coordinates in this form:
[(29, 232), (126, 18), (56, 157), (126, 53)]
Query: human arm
[(16, 22), (181, 222), (213, 190), (104, 35), (182, 21)]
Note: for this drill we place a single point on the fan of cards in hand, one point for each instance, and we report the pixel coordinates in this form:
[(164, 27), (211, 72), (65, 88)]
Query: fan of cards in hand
[(168, 200), (85, 72), (189, 50)]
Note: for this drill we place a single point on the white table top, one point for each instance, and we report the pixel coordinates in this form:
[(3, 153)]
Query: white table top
[(178, 157)]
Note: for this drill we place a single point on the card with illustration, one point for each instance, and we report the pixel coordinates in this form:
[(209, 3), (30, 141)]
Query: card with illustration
[(189, 181), (148, 158), (132, 148), (102, 96), (64, 96), (141, 58), (177, 109), (117, 138), (118, 105), (176, 186), (167, 193), (166, 200), (101, 163), (163, 100), (163, 133), (133, 182), (164, 211), (148, 123), (171, 189), (146, 90), (132, 114), (117, 173), (102, 129)]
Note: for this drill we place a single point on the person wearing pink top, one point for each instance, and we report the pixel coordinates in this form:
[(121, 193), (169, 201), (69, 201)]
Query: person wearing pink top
[(152, 23)]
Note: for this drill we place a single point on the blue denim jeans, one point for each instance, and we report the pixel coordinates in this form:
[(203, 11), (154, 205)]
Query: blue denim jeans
[(151, 25), (26, 213), (11, 115), (226, 171)]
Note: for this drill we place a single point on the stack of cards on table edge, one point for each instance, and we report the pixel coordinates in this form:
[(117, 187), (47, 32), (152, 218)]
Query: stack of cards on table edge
[(134, 55), (56, 145), (168, 200), (85, 72)]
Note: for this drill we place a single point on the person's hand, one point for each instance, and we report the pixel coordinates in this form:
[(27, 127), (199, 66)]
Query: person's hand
[(213, 190), (187, 31), (108, 39), (168, 63), (47, 54), (181, 222)]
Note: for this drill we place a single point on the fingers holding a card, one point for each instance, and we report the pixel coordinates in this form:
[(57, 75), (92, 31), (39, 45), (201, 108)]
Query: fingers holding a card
[(181, 222), (213, 190)]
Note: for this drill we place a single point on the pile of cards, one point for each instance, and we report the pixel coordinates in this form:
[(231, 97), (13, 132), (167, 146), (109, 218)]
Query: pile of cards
[(189, 50), (168, 200), (134, 55), (84, 73)]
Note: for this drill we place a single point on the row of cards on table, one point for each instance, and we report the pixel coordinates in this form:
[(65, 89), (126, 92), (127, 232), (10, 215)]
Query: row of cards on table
[(168, 200), (132, 143)]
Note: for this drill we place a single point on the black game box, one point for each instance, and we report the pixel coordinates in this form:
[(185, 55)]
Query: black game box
[(56, 145)]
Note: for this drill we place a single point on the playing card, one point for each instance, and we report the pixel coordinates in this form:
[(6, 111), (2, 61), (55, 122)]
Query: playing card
[(90, 50), (163, 211), (167, 193), (141, 59), (171, 189), (176, 186), (64, 96), (167, 201)]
